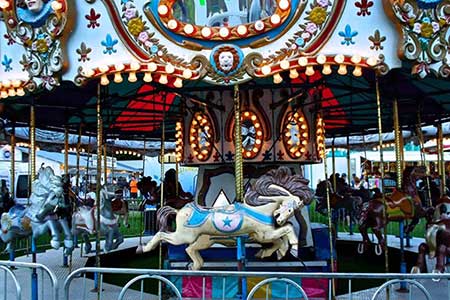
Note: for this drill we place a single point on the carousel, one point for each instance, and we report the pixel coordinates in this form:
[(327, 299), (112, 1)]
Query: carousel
[(249, 92)]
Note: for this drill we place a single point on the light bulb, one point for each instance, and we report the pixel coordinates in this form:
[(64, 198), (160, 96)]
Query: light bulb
[(148, 77), (163, 79), (342, 70), (104, 80), (118, 77), (132, 77), (178, 83), (326, 69), (357, 71), (309, 71), (277, 78)]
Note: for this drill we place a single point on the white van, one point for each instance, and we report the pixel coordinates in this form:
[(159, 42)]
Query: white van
[(21, 193)]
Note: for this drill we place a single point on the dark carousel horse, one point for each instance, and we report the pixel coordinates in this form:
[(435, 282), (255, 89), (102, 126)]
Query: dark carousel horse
[(437, 238), (402, 205), (348, 201)]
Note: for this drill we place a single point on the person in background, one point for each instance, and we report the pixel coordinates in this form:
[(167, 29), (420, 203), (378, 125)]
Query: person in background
[(353, 180), (133, 187)]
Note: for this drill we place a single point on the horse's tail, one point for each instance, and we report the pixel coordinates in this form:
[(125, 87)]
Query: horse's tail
[(162, 217)]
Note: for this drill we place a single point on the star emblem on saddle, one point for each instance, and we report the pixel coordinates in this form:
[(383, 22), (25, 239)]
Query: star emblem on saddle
[(227, 222)]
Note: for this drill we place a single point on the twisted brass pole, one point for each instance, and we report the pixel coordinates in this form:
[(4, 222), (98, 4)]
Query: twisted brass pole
[(238, 161), (13, 162), (98, 180), (380, 144), (398, 156), (440, 141)]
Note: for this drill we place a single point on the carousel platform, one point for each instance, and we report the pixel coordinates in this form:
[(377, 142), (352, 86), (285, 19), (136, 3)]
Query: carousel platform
[(53, 259), (393, 241)]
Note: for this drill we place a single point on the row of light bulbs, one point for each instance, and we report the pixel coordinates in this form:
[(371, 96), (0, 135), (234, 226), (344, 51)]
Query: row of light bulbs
[(179, 141), (164, 72), (320, 137), (74, 150), (56, 5), (200, 129), (249, 115), (296, 149), (309, 62), (127, 152), (11, 88), (26, 145)]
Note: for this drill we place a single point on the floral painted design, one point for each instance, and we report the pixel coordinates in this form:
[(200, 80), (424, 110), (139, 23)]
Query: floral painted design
[(83, 52), (376, 40), (6, 62), (363, 6), (9, 38), (139, 29), (93, 19), (348, 34), (424, 26), (41, 45), (315, 19), (109, 44)]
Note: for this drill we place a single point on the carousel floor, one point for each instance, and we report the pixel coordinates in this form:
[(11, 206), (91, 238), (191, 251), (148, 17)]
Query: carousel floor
[(393, 241), (54, 260)]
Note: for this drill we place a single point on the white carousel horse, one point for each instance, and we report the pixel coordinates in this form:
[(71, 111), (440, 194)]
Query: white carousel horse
[(46, 201), (263, 217), (84, 222)]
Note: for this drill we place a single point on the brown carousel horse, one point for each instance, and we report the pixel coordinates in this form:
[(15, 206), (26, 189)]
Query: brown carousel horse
[(402, 205), (437, 238)]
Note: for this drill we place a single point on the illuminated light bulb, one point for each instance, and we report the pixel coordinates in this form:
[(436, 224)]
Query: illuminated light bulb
[(148, 77), (275, 19), (342, 70), (4, 4), (206, 32), (304, 142), (301, 119), (135, 65), (259, 25), (152, 67), (56, 5), (4, 94), (284, 64), (12, 92), (356, 59), (303, 126), (248, 154), (265, 70), (178, 83), (242, 30), (204, 151), (20, 92), (258, 142), (187, 73), (253, 117), (357, 72), (6, 83), (255, 150), (309, 71), (321, 59), (103, 68), (246, 114), (303, 61), (259, 133), (16, 83), (170, 69), (224, 32), (339, 58), (297, 154), (104, 80), (302, 150), (132, 77), (119, 67), (163, 79), (163, 10), (283, 4), (118, 77), (188, 29), (172, 24), (305, 135), (200, 156), (277, 78), (89, 73), (326, 70), (293, 73), (257, 125), (372, 61)]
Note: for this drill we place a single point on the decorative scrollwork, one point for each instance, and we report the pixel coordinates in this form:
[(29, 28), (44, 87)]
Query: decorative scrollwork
[(424, 33), (38, 29)]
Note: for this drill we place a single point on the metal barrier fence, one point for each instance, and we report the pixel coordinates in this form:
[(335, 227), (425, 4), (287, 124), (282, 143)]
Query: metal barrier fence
[(413, 282), (34, 279)]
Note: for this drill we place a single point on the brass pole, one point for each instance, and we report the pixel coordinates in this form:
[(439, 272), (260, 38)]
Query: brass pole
[(380, 144), (66, 152), (348, 162), (333, 165), (77, 178), (440, 141), (163, 138), (176, 176), (105, 164), (422, 155), (32, 144), (98, 180), (398, 155), (13, 162), (330, 224), (238, 162)]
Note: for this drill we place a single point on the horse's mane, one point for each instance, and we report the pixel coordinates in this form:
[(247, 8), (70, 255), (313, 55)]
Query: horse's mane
[(295, 184)]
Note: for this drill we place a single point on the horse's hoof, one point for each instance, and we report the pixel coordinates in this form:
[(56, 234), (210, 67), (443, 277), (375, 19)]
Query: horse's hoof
[(139, 249), (435, 271), (360, 248), (55, 244), (415, 270)]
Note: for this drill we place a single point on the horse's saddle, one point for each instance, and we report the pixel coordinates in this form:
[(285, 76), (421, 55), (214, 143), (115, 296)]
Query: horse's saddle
[(400, 206), (226, 219)]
